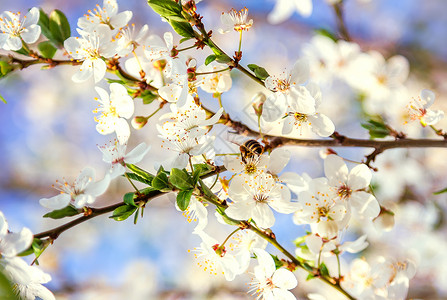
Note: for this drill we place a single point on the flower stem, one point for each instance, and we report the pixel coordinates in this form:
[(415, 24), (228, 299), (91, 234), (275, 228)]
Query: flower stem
[(136, 189), (213, 72)]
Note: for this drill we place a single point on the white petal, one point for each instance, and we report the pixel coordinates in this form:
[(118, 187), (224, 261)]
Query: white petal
[(85, 72), (137, 154), (213, 120), (433, 116), (14, 243), (233, 164), (265, 261), (32, 17), (122, 131), (13, 43), (98, 188), (314, 243), (304, 7), (32, 34), (335, 170), (56, 202), (322, 125), (121, 19), (263, 216), (284, 279), (3, 225), (279, 158), (241, 210), (366, 204), (428, 96), (99, 69), (282, 11), (359, 177), (300, 72)]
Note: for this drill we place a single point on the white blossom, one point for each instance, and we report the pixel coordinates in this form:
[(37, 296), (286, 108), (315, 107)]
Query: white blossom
[(235, 20), (11, 243), (13, 29), (418, 109), (79, 194), (114, 110), (107, 15), (91, 47), (271, 283), (129, 39), (217, 82), (115, 154)]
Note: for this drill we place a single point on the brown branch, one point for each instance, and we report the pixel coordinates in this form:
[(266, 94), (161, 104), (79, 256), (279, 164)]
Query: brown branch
[(341, 25), (91, 212)]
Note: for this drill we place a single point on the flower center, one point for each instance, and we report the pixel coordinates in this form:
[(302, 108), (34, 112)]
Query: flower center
[(250, 168), (301, 118), (260, 198), (344, 192)]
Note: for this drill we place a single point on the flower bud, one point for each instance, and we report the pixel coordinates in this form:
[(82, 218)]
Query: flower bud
[(258, 103), (139, 122)]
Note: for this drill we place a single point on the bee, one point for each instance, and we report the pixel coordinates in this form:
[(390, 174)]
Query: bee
[(251, 149)]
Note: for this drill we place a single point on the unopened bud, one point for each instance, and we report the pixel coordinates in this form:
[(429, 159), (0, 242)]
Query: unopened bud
[(220, 250), (174, 52), (160, 65), (258, 103), (139, 122)]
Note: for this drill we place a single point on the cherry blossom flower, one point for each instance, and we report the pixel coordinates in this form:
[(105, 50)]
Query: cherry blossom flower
[(254, 197), (107, 14), (196, 212), (350, 186), (11, 243), (115, 154), (215, 257), (325, 214), (271, 283), (282, 86), (81, 193), (302, 115), (114, 109), (235, 20), (156, 50), (91, 48), (418, 109), (27, 279), (13, 29), (129, 39), (217, 82), (244, 242)]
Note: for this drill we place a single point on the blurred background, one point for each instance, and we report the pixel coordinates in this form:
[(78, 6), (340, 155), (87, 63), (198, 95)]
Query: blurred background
[(47, 133)]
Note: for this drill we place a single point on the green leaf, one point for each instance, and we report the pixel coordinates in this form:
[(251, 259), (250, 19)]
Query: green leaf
[(300, 241), (139, 178), (22, 51), (210, 59), (47, 49), (223, 58), (166, 8), (183, 198), (195, 176), (140, 172), (6, 288), (310, 276), (182, 28), (135, 218), (260, 72), (204, 168), (326, 33), (44, 23), (278, 262), (377, 128), (148, 97), (323, 270), (3, 99), (68, 211), (184, 39), (129, 199), (59, 27), (181, 179), (160, 182), (5, 68), (440, 192), (123, 212)]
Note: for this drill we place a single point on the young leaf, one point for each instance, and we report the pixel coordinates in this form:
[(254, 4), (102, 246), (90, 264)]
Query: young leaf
[(203, 168), (140, 172), (181, 179), (440, 192), (310, 276), (210, 59), (47, 49), (166, 8), (183, 198), (223, 58), (129, 199), (195, 176), (44, 23), (323, 270), (160, 182), (68, 211), (376, 128), (3, 99), (123, 212), (182, 28), (59, 27), (139, 178), (5, 68), (260, 72), (148, 97)]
